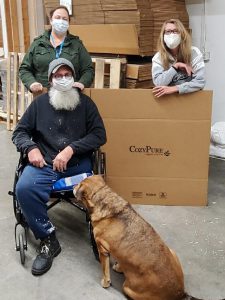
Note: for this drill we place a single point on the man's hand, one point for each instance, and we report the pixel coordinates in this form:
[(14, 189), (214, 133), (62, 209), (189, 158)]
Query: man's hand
[(78, 85), (61, 160), (184, 67), (36, 87), (159, 91), (36, 158)]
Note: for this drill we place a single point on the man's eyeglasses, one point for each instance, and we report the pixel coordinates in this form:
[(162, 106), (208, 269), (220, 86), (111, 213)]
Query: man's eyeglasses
[(171, 31), (60, 76)]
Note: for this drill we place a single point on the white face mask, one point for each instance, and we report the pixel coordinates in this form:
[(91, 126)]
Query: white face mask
[(172, 40), (59, 26), (63, 84)]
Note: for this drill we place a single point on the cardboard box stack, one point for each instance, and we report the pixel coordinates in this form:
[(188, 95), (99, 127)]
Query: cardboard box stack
[(146, 16), (139, 76), (135, 12), (87, 12), (163, 10)]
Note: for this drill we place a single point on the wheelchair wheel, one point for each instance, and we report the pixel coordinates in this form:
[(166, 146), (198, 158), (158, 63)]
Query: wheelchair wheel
[(18, 213), (16, 208), (21, 241), (22, 247)]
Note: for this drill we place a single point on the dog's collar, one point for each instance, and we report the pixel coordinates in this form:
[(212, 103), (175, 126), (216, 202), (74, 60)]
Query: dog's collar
[(98, 190)]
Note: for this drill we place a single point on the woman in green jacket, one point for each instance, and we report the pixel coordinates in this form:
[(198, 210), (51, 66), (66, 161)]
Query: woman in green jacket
[(52, 44)]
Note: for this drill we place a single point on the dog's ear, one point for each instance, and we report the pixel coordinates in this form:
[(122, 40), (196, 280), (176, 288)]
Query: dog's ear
[(82, 193), (78, 191)]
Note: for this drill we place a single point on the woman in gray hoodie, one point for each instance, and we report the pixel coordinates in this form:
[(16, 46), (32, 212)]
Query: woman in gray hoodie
[(177, 67)]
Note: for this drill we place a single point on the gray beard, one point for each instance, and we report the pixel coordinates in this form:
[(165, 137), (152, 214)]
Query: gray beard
[(64, 100)]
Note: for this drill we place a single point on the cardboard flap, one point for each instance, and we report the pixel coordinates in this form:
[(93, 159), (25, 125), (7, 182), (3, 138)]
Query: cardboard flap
[(108, 38), (141, 104)]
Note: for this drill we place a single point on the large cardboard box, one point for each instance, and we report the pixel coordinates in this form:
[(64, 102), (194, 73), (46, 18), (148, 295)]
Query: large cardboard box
[(87, 91), (158, 149), (108, 38)]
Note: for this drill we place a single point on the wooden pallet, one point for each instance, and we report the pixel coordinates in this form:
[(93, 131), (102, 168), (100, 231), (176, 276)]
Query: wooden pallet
[(18, 98), (114, 73)]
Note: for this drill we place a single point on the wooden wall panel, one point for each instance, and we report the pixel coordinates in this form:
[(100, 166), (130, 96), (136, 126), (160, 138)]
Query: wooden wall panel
[(8, 25), (14, 25), (26, 29)]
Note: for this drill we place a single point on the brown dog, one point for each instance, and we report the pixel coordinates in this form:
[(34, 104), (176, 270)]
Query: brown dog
[(152, 271)]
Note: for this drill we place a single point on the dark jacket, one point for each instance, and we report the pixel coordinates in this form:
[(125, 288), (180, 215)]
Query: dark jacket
[(34, 67), (51, 130)]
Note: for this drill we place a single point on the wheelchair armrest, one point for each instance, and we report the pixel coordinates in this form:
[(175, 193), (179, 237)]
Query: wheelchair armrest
[(23, 161), (98, 162)]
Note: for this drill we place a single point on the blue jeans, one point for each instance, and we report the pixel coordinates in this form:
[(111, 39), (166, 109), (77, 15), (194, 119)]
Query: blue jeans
[(33, 190)]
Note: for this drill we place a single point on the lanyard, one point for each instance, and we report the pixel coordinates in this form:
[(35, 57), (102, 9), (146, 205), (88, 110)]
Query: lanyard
[(58, 49)]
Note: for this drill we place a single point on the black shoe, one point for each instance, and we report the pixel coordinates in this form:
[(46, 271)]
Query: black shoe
[(49, 248)]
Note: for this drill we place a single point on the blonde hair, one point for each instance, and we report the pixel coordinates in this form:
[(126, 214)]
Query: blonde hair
[(184, 52)]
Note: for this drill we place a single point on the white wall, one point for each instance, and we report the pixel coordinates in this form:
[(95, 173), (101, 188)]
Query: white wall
[(215, 43)]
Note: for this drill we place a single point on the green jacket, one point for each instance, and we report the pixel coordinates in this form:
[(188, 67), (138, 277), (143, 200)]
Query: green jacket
[(34, 67)]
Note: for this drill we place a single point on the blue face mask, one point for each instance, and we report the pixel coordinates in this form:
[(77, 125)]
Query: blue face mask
[(59, 26)]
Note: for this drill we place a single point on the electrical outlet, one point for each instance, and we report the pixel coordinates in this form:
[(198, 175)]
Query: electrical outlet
[(206, 56)]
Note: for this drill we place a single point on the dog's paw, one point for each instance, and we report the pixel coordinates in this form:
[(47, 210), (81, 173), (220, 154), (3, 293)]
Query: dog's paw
[(105, 283), (116, 267)]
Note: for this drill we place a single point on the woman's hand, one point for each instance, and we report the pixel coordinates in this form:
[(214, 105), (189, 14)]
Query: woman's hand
[(159, 91), (184, 67), (36, 87), (61, 160), (78, 85), (36, 158)]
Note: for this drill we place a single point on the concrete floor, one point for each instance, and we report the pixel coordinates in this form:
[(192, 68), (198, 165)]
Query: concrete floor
[(197, 234)]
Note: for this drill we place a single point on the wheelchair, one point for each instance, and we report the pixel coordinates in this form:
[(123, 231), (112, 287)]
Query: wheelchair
[(99, 167)]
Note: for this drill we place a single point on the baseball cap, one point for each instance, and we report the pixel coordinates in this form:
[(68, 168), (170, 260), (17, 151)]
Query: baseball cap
[(57, 63)]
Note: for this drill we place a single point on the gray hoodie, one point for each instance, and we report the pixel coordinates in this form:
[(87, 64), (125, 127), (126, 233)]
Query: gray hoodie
[(171, 77)]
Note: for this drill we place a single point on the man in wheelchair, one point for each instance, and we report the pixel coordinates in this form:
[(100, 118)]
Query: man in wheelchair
[(58, 133)]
